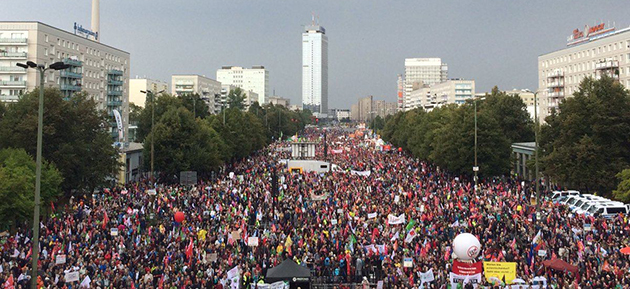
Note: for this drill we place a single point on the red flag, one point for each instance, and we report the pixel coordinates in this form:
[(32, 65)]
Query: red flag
[(105, 220), (189, 249), (52, 206), (9, 284)]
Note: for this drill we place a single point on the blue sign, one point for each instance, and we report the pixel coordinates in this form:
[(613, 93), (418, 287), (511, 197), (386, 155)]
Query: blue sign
[(79, 28)]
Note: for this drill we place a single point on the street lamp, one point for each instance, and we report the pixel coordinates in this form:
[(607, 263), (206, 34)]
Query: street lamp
[(38, 170), (536, 144), (150, 93), (476, 167)]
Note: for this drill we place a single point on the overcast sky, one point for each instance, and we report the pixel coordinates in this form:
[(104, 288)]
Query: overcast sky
[(492, 42)]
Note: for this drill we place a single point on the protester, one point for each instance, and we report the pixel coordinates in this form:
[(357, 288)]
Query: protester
[(336, 223)]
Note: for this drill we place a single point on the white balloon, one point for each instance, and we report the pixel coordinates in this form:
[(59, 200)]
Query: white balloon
[(466, 246)]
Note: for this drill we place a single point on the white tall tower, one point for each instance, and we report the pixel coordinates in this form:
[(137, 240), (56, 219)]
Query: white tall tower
[(96, 20), (315, 69)]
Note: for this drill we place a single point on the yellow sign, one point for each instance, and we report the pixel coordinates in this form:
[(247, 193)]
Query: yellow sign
[(500, 270)]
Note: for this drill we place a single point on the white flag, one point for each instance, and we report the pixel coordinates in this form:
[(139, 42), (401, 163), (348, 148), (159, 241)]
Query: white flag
[(86, 282)]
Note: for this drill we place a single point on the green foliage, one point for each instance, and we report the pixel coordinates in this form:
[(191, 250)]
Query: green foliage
[(377, 124), (135, 112), (446, 135), (75, 137), (158, 107), (622, 192), (243, 132), (236, 98), (183, 143), (196, 104), (17, 185), (588, 142)]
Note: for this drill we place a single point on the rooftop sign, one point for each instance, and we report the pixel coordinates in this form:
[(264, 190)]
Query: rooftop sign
[(579, 36)]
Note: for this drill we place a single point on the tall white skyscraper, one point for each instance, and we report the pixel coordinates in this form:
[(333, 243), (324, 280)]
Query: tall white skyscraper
[(421, 72), (315, 69)]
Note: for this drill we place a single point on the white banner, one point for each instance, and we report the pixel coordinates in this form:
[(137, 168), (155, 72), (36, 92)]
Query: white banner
[(393, 220), (427, 276), (276, 285), (119, 124), (361, 173), (72, 276), (60, 259), (252, 241), (336, 151), (234, 278), (372, 215), (465, 279)]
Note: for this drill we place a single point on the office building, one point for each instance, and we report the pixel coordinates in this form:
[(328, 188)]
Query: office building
[(207, 88), (451, 91), (144, 84), (594, 51), (97, 69), (422, 72), (367, 109), (277, 100), (221, 100), (315, 69), (255, 79)]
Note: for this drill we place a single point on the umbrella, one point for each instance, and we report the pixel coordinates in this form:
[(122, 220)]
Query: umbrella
[(625, 250)]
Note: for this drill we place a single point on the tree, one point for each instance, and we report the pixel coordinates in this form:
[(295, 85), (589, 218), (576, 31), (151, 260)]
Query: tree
[(588, 142), (622, 193), (377, 124), (196, 104), (135, 112), (17, 185), (236, 98), (75, 137), (515, 124), (3, 110), (158, 107), (183, 143)]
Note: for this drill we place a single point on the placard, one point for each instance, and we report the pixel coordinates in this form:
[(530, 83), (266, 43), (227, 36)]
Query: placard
[(500, 270), (113, 232), (542, 253), (60, 259), (408, 262), (72, 276), (252, 241), (333, 221)]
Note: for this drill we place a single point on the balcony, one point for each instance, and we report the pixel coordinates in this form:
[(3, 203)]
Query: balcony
[(605, 65), (14, 41), (557, 73), (114, 82), (72, 62), (114, 103), (13, 83), (557, 83), (13, 55), (556, 94), (11, 69), (114, 92), (115, 72), (69, 74), (69, 87)]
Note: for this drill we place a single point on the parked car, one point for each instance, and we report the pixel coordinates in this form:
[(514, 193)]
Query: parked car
[(587, 205), (608, 210), (557, 194)]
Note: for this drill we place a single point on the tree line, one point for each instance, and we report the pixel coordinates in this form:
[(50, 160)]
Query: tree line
[(583, 145), (79, 155)]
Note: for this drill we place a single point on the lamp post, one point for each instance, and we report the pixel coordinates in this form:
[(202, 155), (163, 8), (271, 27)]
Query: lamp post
[(152, 95), (476, 167), (38, 169), (536, 123)]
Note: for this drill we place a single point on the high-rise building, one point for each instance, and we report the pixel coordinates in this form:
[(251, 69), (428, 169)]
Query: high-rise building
[(99, 70), (423, 72), (315, 69), (144, 84), (255, 79), (367, 109), (207, 88), (594, 51)]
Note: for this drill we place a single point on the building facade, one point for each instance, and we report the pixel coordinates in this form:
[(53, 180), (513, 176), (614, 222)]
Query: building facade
[(422, 72), (277, 100), (255, 79), (315, 69), (451, 91), (144, 84), (99, 70), (367, 109), (207, 88), (591, 52)]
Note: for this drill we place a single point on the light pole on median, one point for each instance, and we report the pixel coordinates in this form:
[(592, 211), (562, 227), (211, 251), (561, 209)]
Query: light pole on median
[(38, 169), (152, 95), (537, 124), (476, 167)]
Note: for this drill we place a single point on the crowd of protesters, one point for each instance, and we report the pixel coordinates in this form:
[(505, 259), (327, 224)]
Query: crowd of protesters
[(127, 237)]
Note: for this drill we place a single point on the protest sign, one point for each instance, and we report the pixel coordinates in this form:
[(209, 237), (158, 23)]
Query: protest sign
[(60, 259), (408, 262), (371, 215), (72, 276), (464, 279), (393, 220), (500, 270), (113, 232), (427, 276), (464, 268), (252, 241)]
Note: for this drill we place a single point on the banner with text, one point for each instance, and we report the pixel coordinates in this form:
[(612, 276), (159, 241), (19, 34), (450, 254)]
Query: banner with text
[(500, 270), (464, 268)]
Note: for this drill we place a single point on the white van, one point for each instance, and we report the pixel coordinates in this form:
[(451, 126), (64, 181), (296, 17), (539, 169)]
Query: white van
[(608, 210), (557, 194), (588, 205)]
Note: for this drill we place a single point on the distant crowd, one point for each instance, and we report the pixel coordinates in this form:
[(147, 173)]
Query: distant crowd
[(335, 223)]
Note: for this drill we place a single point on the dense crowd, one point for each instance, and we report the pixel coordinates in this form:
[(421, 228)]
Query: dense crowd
[(126, 237)]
